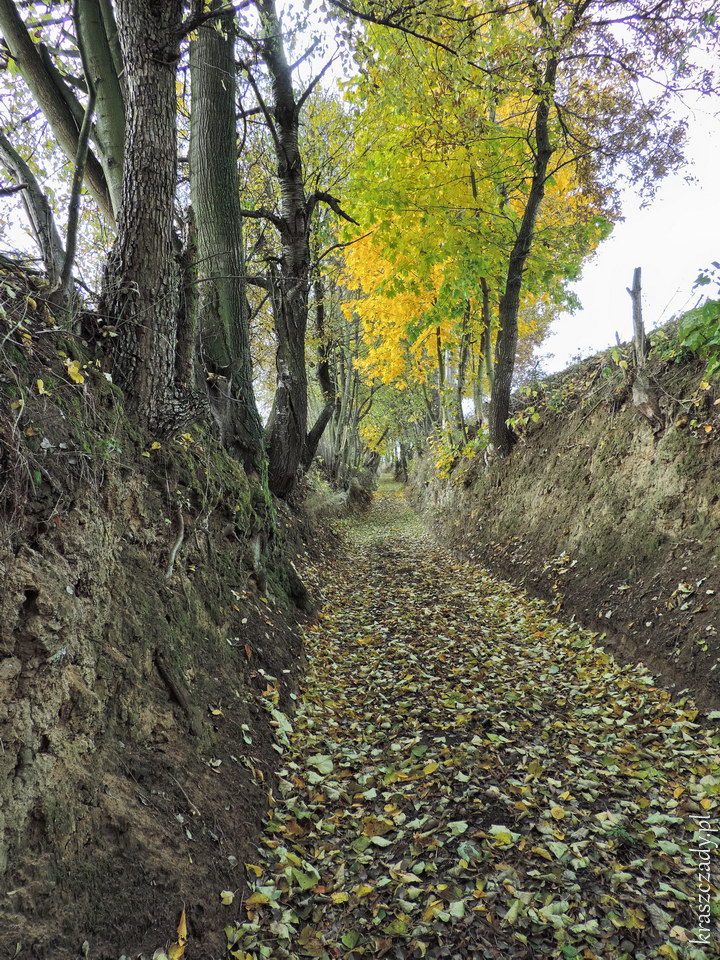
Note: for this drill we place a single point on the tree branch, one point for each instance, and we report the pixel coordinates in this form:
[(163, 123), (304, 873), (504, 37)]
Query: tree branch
[(52, 98), (308, 53), (37, 208), (314, 82), (340, 246), (320, 196), (198, 18), (264, 214), (257, 281), (261, 103), (75, 194), (387, 21), (9, 191)]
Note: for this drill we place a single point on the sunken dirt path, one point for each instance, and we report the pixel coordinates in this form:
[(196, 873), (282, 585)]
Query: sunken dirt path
[(469, 778)]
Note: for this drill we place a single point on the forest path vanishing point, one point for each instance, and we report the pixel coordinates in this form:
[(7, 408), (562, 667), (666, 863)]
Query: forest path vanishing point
[(467, 777)]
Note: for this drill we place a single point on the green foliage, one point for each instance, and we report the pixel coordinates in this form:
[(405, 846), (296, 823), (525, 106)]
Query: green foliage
[(699, 328), (449, 450)]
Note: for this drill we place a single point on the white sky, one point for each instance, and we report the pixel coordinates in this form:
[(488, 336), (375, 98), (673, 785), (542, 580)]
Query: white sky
[(671, 240)]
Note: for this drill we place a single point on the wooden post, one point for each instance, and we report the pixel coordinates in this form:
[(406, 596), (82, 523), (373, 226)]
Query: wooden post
[(641, 343)]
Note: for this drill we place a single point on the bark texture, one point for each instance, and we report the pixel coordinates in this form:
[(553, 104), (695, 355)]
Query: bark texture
[(223, 321), (141, 295), (325, 379), (289, 284), (92, 20)]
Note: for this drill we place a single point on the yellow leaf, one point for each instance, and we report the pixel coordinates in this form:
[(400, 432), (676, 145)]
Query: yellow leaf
[(257, 898), (73, 369), (177, 950), (706, 803), (363, 889), (430, 768), (542, 853), (155, 445), (704, 385), (432, 909), (557, 813), (254, 868), (41, 389), (227, 897), (340, 897)]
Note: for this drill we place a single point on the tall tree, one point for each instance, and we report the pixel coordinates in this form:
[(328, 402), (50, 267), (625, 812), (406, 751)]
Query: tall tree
[(53, 96), (141, 287), (96, 35), (543, 149), (223, 323), (594, 79), (289, 278)]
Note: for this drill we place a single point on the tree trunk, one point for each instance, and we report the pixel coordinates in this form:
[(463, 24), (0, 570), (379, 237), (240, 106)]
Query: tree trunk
[(141, 287), (51, 98), (485, 364), (287, 426), (440, 374), (38, 210), (223, 321), (487, 344), (401, 464), (639, 338), (101, 74), (506, 346), (462, 371), (324, 377)]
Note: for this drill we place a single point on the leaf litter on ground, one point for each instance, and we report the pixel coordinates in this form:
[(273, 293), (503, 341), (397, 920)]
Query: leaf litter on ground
[(467, 777)]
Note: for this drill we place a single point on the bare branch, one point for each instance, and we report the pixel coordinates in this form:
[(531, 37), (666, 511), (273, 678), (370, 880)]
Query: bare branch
[(261, 103), (264, 214), (308, 53), (198, 18), (315, 81), (320, 196), (340, 246), (37, 208), (75, 193), (9, 191)]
